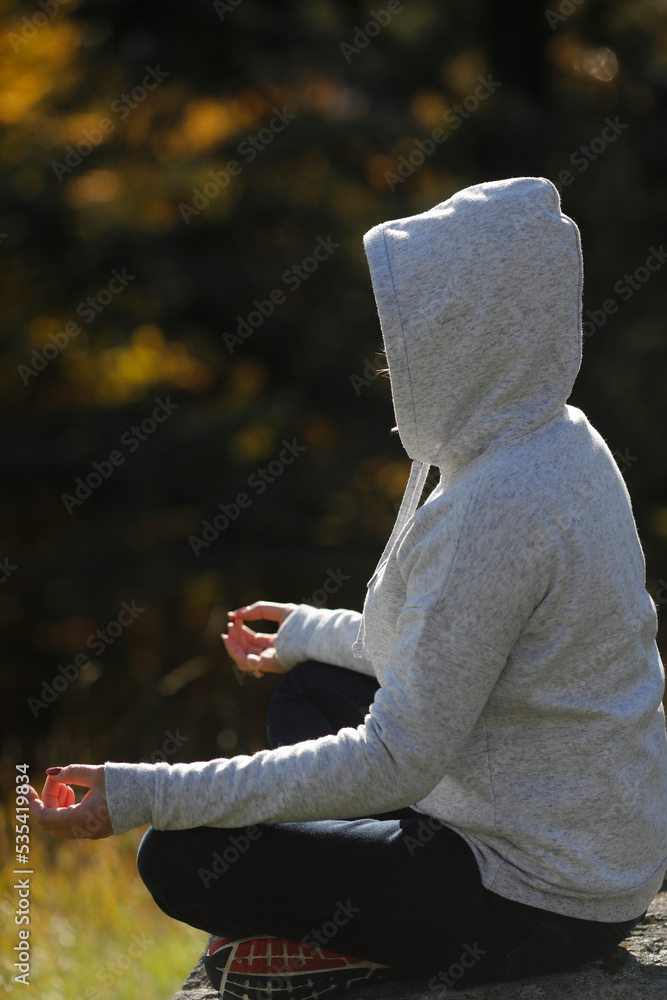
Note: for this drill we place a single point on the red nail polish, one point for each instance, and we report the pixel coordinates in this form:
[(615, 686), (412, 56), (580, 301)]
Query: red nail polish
[(53, 770)]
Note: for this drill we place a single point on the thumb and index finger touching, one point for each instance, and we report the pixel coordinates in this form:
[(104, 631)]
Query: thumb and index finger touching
[(57, 778), (57, 810)]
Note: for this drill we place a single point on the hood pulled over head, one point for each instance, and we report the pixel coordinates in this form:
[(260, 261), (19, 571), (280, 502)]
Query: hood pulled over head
[(480, 307)]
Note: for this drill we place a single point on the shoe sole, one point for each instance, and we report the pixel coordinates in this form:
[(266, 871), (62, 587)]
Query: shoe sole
[(235, 978)]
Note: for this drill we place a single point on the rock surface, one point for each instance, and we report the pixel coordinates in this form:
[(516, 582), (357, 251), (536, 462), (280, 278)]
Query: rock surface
[(637, 970)]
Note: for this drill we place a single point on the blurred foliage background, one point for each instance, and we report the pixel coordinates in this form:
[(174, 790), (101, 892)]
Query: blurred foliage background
[(116, 117)]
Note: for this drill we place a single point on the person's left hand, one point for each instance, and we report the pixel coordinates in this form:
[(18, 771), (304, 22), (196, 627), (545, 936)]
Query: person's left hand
[(254, 652), (58, 811)]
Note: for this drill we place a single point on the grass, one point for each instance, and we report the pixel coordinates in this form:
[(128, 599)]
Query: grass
[(95, 932)]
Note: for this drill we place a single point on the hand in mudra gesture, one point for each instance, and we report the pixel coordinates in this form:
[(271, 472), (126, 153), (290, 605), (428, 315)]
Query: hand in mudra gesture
[(251, 651)]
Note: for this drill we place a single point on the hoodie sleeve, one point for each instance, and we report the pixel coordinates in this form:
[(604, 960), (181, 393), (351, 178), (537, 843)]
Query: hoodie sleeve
[(417, 723), (320, 634), (435, 684)]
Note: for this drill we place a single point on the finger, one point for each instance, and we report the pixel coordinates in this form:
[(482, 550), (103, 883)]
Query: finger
[(247, 635), (54, 793), (244, 634), (37, 807), (260, 610), (245, 640), (237, 653), (51, 792), (231, 642), (240, 655), (261, 641), (87, 775), (269, 611), (234, 650), (71, 821), (234, 633), (60, 821), (62, 795), (235, 627), (33, 800)]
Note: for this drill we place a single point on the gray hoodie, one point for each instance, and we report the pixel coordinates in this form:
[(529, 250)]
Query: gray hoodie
[(507, 621)]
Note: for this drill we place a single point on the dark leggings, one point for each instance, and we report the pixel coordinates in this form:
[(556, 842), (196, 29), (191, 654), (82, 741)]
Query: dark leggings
[(401, 888)]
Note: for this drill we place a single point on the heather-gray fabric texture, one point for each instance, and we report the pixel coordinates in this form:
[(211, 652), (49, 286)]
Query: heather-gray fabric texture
[(507, 621)]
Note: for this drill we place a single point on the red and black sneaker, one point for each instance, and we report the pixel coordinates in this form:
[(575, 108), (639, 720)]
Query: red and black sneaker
[(272, 968)]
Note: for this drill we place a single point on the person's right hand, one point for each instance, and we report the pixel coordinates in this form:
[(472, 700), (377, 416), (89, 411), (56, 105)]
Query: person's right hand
[(255, 652), (58, 811)]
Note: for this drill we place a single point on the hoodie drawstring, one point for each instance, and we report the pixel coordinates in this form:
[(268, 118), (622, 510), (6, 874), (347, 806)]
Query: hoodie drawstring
[(411, 497)]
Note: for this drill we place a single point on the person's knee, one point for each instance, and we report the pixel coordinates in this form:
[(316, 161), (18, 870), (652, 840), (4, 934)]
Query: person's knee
[(299, 673), (165, 864), (295, 684), (306, 674), (153, 861)]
